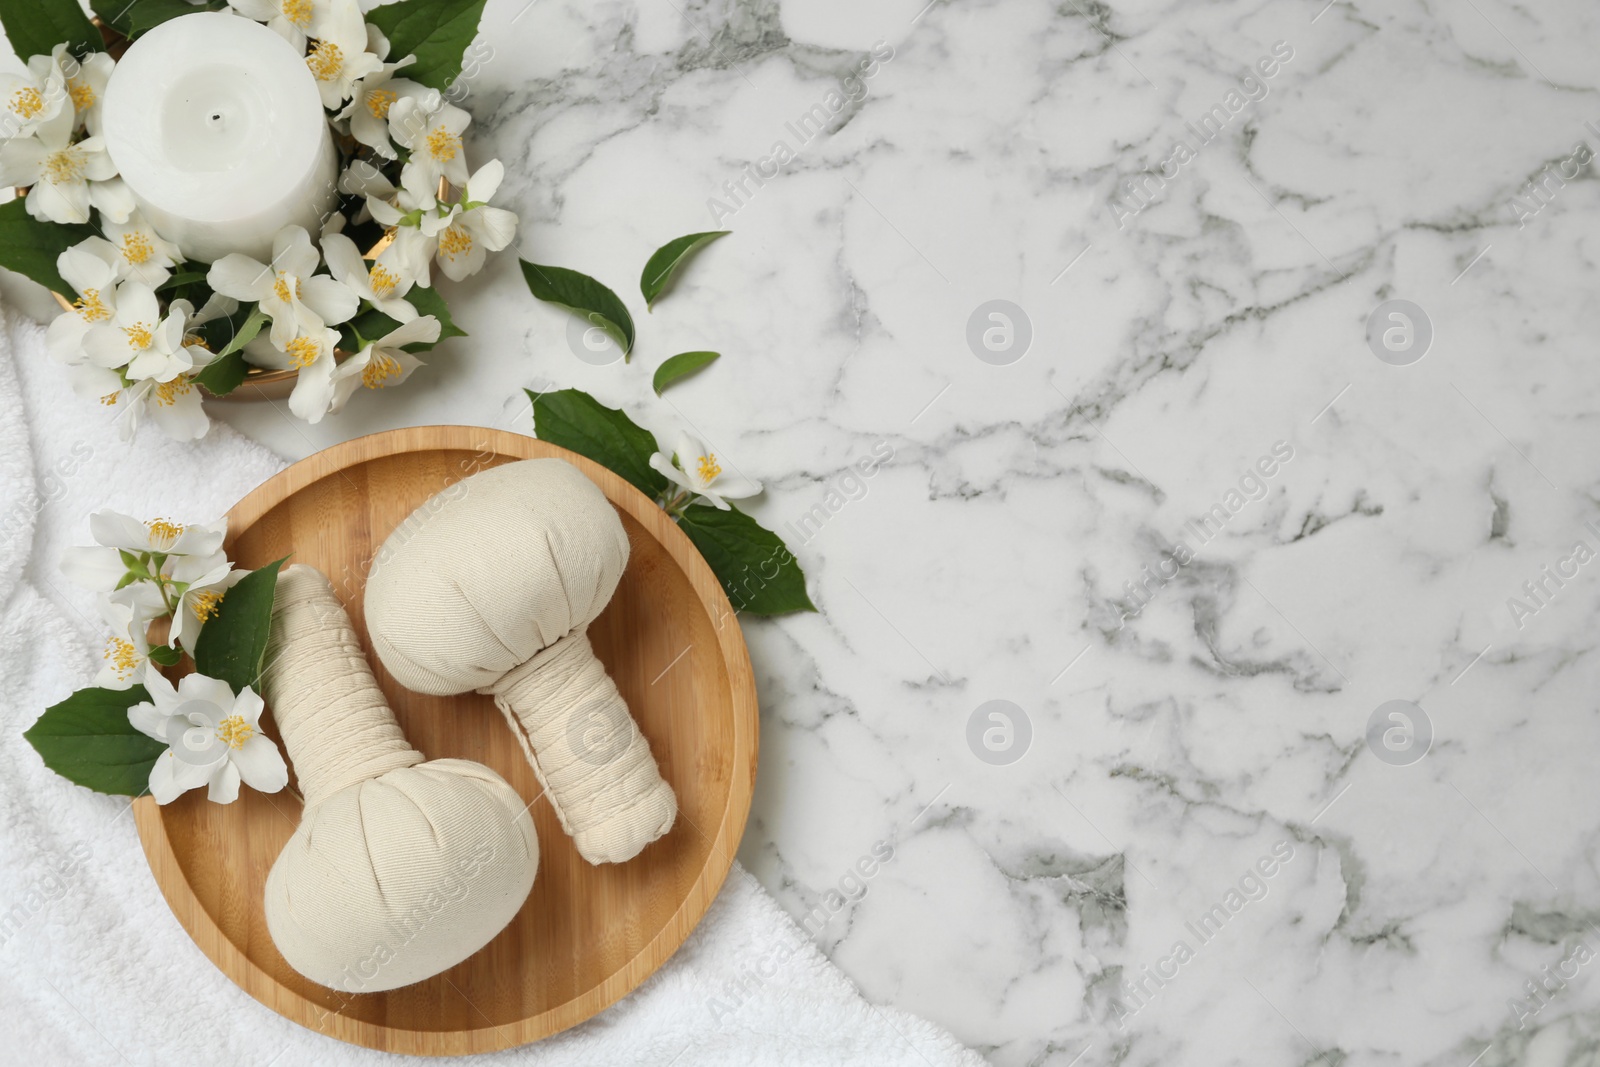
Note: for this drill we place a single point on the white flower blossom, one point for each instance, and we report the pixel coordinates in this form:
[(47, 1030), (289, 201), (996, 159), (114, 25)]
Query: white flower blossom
[(35, 100), (410, 211), (293, 20), (115, 533), (146, 255), (472, 228), (173, 406), (695, 467), (139, 338), (127, 651), (380, 285), (297, 301), (203, 583), (372, 98), (339, 56), (58, 170), (91, 267), (215, 738), (383, 362), (85, 82), (312, 354), (431, 129)]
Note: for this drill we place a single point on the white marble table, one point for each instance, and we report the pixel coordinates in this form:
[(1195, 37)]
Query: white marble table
[(1179, 336)]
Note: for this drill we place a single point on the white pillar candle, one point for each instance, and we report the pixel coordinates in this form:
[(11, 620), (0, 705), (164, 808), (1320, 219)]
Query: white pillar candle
[(215, 123)]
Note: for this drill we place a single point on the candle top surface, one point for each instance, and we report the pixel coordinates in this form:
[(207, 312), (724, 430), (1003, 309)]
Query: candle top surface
[(213, 117)]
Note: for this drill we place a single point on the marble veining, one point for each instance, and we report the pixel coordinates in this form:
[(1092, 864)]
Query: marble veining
[(1190, 313)]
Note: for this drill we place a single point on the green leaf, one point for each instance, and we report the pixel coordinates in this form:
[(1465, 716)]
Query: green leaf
[(223, 375), (164, 655), (88, 739), (245, 332), (233, 644), (430, 302), (227, 336), (437, 32), (757, 570), (133, 17), (658, 271), (188, 277), (583, 295), (31, 247), (373, 324), (573, 419), (34, 27), (681, 366)]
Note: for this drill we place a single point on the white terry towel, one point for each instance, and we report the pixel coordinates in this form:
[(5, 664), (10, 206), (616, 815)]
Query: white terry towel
[(95, 969)]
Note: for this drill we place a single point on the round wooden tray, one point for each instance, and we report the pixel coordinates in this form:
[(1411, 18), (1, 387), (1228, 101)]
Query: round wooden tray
[(587, 935)]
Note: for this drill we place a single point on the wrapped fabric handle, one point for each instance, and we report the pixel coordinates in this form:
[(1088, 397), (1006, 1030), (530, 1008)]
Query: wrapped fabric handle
[(594, 763), (332, 715)]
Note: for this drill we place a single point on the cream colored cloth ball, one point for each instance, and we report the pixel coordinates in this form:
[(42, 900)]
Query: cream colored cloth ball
[(490, 585), (400, 868)]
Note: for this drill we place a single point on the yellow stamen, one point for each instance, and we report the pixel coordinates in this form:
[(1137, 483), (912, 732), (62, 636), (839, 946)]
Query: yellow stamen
[(138, 335), (379, 101), (122, 656), (110, 399), (207, 603), (326, 61), (167, 393), (708, 468), (298, 12), (64, 166), (303, 351), (90, 307), (82, 93), (194, 340), (443, 145), (455, 241), (280, 288), (163, 532), (382, 279), (376, 374), (136, 247), (234, 731), (27, 102)]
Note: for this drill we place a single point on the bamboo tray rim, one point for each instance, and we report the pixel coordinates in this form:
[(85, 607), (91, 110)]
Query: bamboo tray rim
[(203, 928)]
